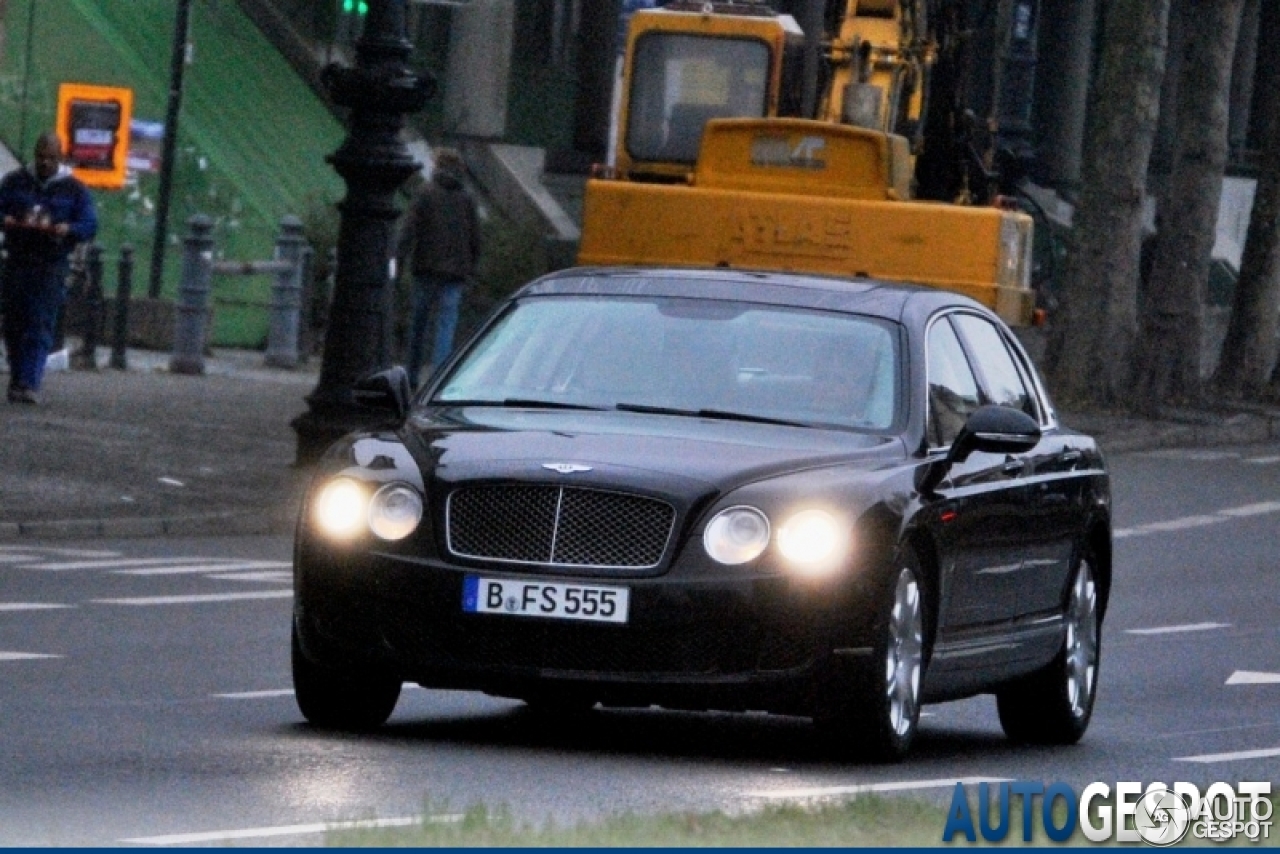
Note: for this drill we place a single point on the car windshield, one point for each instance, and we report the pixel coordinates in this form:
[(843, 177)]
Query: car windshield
[(682, 356)]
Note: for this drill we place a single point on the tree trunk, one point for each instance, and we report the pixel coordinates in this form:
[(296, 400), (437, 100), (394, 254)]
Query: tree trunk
[(1243, 77), (1249, 350), (1062, 90), (1167, 123), (1091, 340), (1170, 348)]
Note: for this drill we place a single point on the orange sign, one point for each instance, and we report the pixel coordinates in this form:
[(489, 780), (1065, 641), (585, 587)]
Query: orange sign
[(93, 124)]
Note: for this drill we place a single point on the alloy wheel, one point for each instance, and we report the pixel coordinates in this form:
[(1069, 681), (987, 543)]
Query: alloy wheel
[(904, 654), (1082, 641)]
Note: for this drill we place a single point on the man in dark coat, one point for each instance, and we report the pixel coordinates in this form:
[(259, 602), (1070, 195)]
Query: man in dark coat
[(440, 242), (45, 212)]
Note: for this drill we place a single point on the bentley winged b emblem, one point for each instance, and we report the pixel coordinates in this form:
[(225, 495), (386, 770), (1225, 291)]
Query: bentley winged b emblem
[(566, 468)]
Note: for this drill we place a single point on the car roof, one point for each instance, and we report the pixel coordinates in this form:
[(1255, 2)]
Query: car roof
[(889, 300)]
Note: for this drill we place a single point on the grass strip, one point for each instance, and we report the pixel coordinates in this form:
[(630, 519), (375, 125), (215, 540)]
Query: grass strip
[(866, 821)]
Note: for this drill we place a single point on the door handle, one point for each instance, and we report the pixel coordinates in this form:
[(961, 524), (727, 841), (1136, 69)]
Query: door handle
[(1013, 467), (1070, 457)]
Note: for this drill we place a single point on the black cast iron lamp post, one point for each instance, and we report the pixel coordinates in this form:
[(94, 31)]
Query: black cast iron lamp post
[(374, 162)]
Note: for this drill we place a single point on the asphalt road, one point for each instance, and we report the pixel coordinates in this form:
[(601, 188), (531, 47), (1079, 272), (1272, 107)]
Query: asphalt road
[(144, 694)]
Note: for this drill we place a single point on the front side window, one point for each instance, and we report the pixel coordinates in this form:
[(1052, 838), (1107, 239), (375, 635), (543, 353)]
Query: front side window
[(603, 352), (680, 82)]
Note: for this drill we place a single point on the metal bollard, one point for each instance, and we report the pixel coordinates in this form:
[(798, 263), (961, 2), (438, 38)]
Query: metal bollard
[(321, 290), (87, 357), (286, 296), (76, 288), (124, 292), (192, 314)]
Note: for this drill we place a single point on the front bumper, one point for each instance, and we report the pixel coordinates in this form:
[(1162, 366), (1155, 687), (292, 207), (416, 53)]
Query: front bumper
[(758, 641)]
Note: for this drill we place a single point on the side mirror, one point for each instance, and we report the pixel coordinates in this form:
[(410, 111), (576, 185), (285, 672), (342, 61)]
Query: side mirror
[(995, 430), (386, 391), (989, 429)]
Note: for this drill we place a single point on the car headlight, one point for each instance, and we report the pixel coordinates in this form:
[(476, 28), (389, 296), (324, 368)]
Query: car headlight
[(342, 508), (395, 511), (813, 541), (736, 535)]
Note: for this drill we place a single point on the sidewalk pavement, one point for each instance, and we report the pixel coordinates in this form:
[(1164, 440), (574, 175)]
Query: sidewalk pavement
[(143, 452)]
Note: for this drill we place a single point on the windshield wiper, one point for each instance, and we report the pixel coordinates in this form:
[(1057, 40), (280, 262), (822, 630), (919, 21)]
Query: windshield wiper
[(520, 402), (722, 414)]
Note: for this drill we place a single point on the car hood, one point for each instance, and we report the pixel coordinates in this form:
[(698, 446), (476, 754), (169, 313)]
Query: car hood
[(465, 443)]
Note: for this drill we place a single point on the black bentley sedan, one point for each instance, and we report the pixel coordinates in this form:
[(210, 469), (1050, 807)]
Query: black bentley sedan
[(714, 490)]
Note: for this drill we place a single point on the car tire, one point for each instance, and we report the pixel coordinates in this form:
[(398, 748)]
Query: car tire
[(878, 721), (336, 699), (1054, 704)]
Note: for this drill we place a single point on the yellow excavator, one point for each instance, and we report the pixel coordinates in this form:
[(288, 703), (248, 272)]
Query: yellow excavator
[(745, 142)]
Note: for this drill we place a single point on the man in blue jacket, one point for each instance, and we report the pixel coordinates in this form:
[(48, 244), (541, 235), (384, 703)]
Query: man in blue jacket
[(45, 212)]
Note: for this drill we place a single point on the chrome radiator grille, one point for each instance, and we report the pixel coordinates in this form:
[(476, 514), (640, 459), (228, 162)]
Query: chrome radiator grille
[(558, 526)]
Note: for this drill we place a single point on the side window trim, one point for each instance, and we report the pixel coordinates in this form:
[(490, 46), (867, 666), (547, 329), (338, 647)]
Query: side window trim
[(1028, 379), (1048, 419)]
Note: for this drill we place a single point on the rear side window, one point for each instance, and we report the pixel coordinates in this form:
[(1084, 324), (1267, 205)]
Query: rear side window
[(1003, 382)]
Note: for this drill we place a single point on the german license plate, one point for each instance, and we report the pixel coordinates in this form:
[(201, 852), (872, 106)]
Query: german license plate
[(552, 599)]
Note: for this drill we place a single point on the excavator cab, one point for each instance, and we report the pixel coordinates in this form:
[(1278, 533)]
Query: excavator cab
[(686, 66)]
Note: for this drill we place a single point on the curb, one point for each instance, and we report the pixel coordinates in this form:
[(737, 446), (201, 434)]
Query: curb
[(1238, 429)]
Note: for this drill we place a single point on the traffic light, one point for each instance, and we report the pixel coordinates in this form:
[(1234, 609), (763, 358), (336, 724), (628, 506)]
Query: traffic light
[(351, 15)]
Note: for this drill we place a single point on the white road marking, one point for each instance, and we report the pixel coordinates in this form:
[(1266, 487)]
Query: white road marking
[(32, 606), (1169, 630), (39, 550), (284, 692), (864, 788), (1262, 461), (1253, 677), (256, 695), (278, 576), (114, 564), (1231, 757), (1259, 509), (1189, 522), (1183, 524), (24, 656), (196, 599), (178, 567), (285, 830)]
